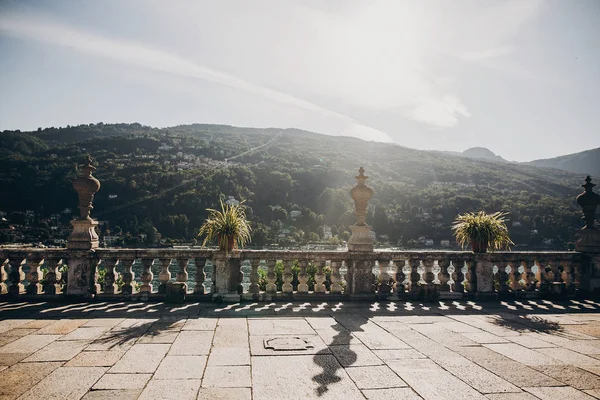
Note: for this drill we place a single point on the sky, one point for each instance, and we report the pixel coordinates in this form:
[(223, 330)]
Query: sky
[(521, 78)]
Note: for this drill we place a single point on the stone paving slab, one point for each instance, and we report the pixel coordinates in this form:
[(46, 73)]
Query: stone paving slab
[(498, 351)]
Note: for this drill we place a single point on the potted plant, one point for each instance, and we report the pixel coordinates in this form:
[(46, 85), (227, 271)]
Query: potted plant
[(228, 226), (482, 231)]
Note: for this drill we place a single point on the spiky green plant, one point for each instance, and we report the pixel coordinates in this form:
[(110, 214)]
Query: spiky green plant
[(228, 223), (484, 229)]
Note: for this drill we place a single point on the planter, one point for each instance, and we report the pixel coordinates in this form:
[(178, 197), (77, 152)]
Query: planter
[(478, 247), (230, 244)]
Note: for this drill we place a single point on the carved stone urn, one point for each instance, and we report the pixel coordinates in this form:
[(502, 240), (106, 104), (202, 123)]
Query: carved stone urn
[(362, 237), (84, 235), (589, 241)]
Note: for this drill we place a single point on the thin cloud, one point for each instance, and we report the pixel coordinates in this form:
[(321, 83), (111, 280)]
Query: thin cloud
[(44, 30)]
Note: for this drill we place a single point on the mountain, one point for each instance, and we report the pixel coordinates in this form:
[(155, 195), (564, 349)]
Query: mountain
[(294, 182), (584, 163), (482, 153)]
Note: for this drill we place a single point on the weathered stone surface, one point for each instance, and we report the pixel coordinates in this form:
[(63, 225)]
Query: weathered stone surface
[(229, 356), (90, 333), (275, 327), (7, 325), (319, 376), (224, 394), (62, 327), (164, 389), (483, 337), (4, 340), (530, 341), (58, 351), (65, 383), (432, 382), (192, 343), (38, 323), (158, 337), (558, 393), (181, 367), (374, 377), (402, 354), (395, 393), (337, 336), (567, 356), (227, 376), (523, 355), (29, 344), (103, 322), (482, 380), (355, 355), (19, 378), (571, 375), (511, 396), (141, 358), (20, 332), (8, 359), (112, 395), (96, 358), (511, 371), (200, 324), (122, 381)]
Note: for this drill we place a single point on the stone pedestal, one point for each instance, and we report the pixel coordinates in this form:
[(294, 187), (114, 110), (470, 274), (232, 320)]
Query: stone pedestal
[(84, 236), (589, 241), (361, 238), (227, 278), (81, 279), (484, 276), (360, 279)]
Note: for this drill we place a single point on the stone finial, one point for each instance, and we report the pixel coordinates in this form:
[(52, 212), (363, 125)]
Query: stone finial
[(362, 237), (86, 187), (84, 235), (361, 194), (588, 200)]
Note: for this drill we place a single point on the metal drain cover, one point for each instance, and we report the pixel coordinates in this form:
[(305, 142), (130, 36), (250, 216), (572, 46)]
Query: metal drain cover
[(287, 344)]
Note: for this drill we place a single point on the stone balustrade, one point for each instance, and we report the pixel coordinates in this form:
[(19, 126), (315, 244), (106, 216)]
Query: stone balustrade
[(260, 275)]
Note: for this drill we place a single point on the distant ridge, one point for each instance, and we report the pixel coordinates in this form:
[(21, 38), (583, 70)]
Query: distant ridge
[(585, 162), (482, 153)]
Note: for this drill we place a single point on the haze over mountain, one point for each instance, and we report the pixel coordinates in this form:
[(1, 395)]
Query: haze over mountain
[(511, 76), (585, 162)]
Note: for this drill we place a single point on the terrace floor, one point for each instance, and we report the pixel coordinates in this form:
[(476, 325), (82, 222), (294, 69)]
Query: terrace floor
[(452, 350)]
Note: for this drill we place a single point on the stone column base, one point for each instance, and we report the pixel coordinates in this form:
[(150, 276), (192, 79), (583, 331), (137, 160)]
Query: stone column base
[(361, 239), (84, 236), (589, 241)]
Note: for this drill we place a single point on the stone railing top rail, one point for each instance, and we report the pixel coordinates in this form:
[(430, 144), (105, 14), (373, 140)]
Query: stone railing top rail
[(317, 255)]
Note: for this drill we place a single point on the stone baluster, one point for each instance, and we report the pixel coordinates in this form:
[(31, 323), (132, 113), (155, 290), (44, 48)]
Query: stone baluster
[(458, 277), (567, 277), (34, 275), (254, 277), (200, 275), (3, 277), (415, 277), (336, 277), (271, 277), (164, 276), (471, 276), (514, 276), (287, 277), (302, 277), (529, 276), (399, 277), (502, 278), (443, 276), (147, 275), (544, 276), (320, 278), (128, 276), (182, 274), (52, 285), (384, 277), (429, 277), (110, 277), (16, 275)]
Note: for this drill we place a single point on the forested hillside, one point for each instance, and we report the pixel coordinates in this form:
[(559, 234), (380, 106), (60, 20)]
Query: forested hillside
[(585, 162), (294, 182)]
